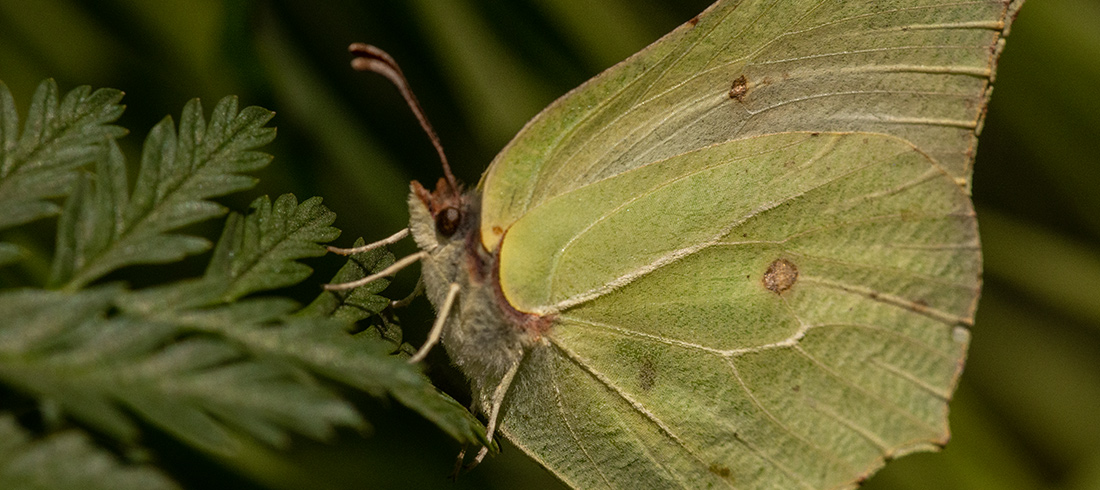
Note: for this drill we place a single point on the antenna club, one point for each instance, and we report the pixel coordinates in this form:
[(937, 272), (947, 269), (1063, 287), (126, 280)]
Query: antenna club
[(374, 59)]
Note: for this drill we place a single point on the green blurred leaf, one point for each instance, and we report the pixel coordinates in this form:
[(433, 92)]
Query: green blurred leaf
[(1040, 371), (97, 367), (67, 460), (1054, 269)]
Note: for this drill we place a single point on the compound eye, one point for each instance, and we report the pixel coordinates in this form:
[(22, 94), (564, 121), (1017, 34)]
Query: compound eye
[(446, 221)]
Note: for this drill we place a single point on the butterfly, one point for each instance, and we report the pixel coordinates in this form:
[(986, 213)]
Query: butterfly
[(745, 257)]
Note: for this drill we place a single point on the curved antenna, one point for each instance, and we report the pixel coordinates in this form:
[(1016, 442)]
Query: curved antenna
[(372, 58)]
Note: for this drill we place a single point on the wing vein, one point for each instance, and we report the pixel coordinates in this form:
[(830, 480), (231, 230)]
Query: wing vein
[(787, 471), (557, 148), (662, 427), (892, 300), (573, 433), (885, 404), (681, 253), (910, 377), (569, 244)]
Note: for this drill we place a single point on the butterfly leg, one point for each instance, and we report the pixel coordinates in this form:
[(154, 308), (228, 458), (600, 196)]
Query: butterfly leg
[(392, 239), (417, 291), (462, 453), (388, 271), (494, 411), (440, 321)]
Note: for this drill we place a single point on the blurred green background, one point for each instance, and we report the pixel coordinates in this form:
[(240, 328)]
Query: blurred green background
[(1027, 413)]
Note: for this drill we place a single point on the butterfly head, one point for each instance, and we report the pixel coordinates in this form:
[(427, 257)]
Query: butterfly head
[(442, 216), (444, 205)]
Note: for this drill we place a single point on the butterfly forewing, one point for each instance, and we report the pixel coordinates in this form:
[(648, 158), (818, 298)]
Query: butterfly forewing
[(919, 70)]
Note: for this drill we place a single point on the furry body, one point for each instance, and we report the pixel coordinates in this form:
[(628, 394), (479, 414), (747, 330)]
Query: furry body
[(483, 336)]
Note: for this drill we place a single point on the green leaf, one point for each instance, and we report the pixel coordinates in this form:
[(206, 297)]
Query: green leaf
[(98, 367), (192, 357), (324, 348), (178, 176), (50, 343), (58, 137), (365, 365), (359, 303), (258, 252), (67, 460)]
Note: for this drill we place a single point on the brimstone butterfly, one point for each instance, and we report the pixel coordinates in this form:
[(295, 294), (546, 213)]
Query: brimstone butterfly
[(743, 258)]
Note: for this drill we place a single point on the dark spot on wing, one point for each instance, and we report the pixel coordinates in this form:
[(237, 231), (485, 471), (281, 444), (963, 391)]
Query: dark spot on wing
[(740, 88), (693, 21), (780, 276), (647, 375), (720, 470)]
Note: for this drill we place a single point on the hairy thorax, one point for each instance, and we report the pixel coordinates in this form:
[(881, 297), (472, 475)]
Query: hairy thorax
[(483, 335)]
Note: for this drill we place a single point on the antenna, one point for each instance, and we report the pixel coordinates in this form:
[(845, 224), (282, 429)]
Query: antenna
[(371, 58)]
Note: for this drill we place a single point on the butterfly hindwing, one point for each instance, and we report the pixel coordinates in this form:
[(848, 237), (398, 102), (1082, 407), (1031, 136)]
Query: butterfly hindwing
[(796, 335)]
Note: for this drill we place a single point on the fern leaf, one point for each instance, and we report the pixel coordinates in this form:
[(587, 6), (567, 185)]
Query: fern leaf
[(324, 348), (179, 173), (67, 460), (41, 343), (359, 303), (196, 388), (60, 135), (190, 357), (390, 374), (98, 368), (259, 251)]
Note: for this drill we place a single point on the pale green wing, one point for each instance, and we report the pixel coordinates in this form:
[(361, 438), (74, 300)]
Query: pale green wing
[(917, 69), (782, 311)]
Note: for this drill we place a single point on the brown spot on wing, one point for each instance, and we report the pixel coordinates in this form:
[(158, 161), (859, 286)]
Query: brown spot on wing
[(780, 276), (720, 470), (740, 88)]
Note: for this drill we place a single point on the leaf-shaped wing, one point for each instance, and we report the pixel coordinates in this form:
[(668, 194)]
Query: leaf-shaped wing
[(919, 70), (791, 336)]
